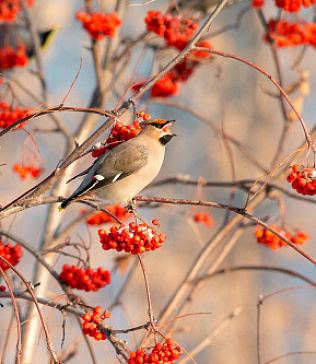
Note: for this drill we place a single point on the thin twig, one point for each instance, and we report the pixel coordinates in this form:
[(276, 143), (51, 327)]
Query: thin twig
[(17, 316), (30, 289)]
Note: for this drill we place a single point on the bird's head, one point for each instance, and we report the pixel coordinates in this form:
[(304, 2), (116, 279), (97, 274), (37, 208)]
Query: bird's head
[(158, 129)]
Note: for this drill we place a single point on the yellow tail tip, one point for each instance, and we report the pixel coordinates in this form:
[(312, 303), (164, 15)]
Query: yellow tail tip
[(60, 208)]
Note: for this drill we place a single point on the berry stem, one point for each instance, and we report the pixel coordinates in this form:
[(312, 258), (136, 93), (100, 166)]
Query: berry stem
[(150, 309)]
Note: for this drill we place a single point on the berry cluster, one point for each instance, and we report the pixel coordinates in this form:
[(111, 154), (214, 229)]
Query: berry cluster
[(99, 25), (165, 87), (10, 8), (303, 180), (203, 217), (9, 115), (12, 254), (24, 170), (161, 353), (272, 241), (2, 288), (134, 238), (119, 133), (293, 5), (85, 279), (10, 57), (287, 34), (175, 30), (102, 217), (91, 322)]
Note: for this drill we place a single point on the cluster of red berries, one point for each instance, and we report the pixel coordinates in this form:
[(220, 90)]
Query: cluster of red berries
[(9, 9), (99, 25), (303, 180), (90, 323), (167, 353), (9, 115), (203, 217), (2, 288), (119, 133), (10, 57), (165, 87), (272, 241), (177, 33), (12, 254), (24, 170), (102, 217), (287, 34), (293, 5), (134, 238), (85, 279), (175, 30)]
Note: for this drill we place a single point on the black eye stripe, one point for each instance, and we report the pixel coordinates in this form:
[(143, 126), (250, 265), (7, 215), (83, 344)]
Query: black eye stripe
[(158, 126)]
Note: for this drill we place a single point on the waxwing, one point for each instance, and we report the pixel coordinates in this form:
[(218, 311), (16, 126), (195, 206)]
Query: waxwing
[(121, 173)]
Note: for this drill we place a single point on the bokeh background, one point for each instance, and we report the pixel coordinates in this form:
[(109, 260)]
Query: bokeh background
[(234, 97)]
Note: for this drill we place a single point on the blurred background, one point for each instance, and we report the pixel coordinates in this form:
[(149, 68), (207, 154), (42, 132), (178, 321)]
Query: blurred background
[(243, 105)]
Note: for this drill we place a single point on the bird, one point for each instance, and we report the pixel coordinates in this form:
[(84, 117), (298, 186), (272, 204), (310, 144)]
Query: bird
[(121, 173)]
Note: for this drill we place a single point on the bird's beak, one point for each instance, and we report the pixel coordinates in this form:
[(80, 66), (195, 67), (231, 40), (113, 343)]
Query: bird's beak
[(166, 127)]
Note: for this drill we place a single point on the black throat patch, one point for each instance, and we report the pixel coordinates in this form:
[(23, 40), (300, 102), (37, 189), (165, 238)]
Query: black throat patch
[(165, 139)]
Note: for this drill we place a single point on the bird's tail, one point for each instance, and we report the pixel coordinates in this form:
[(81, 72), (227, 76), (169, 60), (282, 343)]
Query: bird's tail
[(65, 203)]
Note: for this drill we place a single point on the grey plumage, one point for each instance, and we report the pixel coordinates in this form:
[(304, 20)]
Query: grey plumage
[(121, 173)]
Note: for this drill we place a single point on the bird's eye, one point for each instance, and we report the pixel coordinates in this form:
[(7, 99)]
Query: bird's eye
[(156, 125)]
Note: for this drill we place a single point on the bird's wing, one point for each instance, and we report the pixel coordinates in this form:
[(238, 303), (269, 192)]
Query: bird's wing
[(83, 173), (120, 163)]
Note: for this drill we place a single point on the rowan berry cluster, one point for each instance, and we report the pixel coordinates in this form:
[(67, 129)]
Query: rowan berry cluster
[(134, 238), (12, 254), (175, 30), (85, 279), (10, 57), (99, 25), (203, 217), (303, 180), (287, 34), (167, 353), (119, 133), (102, 217), (24, 170), (2, 288), (10, 8), (272, 241), (165, 87), (293, 5), (91, 322), (9, 115)]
